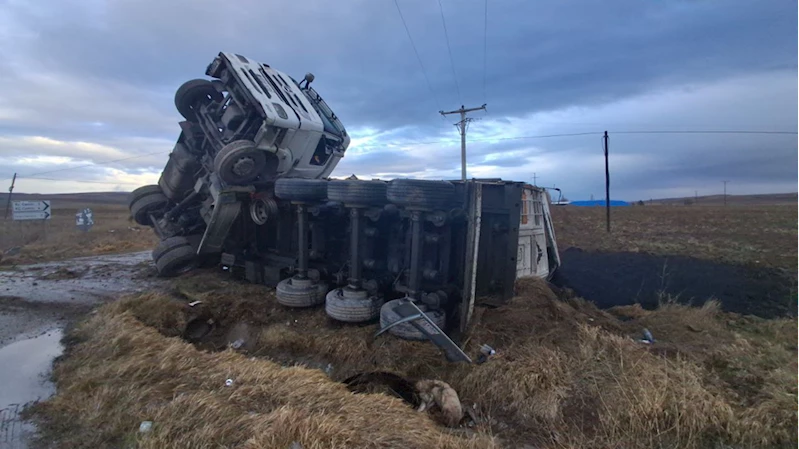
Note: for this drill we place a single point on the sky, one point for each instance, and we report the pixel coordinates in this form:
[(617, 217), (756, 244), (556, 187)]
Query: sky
[(90, 81)]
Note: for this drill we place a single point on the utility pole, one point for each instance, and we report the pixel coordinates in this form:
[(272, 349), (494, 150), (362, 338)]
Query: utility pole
[(696, 196), (462, 125), (607, 181), (535, 179), (725, 192), (10, 190)]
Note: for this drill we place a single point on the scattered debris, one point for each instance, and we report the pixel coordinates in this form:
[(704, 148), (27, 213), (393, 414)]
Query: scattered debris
[(648, 338), (229, 383), (145, 426), (237, 344), (485, 353), (194, 303)]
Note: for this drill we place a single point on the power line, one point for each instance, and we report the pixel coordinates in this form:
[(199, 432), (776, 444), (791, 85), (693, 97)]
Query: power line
[(485, 139), (449, 50), (485, 48), (416, 52), (704, 132), (91, 165), (82, 181)]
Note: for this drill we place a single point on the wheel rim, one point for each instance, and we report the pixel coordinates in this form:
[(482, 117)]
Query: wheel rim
[(259, 212), (243, 167)]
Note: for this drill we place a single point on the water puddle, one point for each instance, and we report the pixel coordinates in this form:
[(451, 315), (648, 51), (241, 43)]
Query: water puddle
[(24, 371)]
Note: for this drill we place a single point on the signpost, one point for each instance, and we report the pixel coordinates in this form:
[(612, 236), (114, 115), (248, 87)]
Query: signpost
[(31, 210), (84, 219)]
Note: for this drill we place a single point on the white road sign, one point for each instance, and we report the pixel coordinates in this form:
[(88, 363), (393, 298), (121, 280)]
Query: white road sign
[(37, 215), (31, 206)]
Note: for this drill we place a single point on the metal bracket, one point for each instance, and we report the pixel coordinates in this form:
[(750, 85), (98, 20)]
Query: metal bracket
[(411, 313)]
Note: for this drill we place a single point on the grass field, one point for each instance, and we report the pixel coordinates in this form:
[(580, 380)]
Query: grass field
[(59, 238), (757, 235), (567, 375)]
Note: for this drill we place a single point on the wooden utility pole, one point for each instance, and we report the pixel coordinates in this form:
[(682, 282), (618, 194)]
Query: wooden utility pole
[(10, 190), (462, 125), (607, 181), (725, 192)]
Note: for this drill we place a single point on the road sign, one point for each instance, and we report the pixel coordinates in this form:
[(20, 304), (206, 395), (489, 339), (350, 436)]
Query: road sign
[(37, 215), (84, 219), (31, 206)]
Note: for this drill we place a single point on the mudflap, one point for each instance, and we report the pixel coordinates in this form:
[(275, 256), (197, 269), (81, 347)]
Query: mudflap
[(225, 212), (410, 313)]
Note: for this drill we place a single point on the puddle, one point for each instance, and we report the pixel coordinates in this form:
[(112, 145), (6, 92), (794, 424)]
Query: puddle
[(24, 370)]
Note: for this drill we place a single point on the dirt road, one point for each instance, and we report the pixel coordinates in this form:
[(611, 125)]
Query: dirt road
[(36, 303)]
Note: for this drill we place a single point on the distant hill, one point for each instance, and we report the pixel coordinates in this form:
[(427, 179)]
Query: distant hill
[(768, 199), (70, 199)]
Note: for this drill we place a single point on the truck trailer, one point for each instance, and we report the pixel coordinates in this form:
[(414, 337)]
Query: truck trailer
[(249, 186)]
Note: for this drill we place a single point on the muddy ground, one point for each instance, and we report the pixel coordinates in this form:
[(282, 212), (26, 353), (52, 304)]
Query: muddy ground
[(37, 302)]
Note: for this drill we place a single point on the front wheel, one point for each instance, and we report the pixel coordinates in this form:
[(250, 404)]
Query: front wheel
[(192, 94), (175, 256), (144, 201)]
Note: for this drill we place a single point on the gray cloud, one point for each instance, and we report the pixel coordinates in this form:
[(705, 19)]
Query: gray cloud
[(104, 73)]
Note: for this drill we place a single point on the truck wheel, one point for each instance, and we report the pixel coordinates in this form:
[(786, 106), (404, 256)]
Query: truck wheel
[(408, 331), (298, 189), (239, 162), (192, 94), (358, 193), (174, 256), (145, 200), (352, 306), (420, 193), (293, 292)]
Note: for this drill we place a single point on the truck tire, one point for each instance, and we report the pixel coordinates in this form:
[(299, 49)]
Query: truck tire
[(298, 189), (352, 307), (419, 193), (408, 331), (193, 93), (300, 292), (240, 162), (144, 201), (358, 193), (174, 256)]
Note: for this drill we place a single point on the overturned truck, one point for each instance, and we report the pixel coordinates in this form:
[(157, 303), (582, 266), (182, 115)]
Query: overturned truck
[(247, 186)]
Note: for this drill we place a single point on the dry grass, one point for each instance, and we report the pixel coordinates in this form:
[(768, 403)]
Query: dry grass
[(123, 372), (566, 375), (757, 235), (113, 232)]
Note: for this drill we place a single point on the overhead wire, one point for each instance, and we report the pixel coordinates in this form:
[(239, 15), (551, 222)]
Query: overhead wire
[(704, 132), (83, 181), (449, 50), (91, 165), (418, 57), (485, 50)]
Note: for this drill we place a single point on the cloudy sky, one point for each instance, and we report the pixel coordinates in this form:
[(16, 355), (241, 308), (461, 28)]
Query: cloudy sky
[(88, 81)]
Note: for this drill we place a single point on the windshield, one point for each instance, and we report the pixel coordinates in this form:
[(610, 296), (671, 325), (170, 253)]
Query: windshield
[(331, 123)]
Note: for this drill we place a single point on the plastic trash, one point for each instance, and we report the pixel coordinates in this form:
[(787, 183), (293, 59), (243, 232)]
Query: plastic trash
[(229, 383), (145, 426), (648, 338), (237, 344), (194, 303), (485, 353)]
